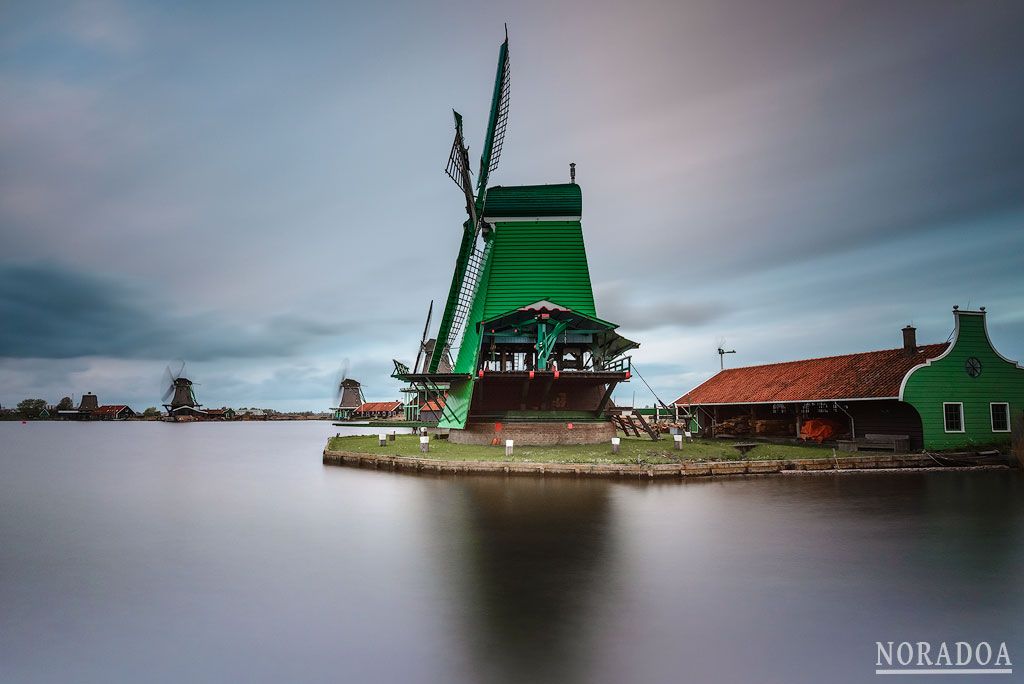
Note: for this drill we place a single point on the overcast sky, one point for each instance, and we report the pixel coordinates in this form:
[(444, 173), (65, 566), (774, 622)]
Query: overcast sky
[(258, 188)]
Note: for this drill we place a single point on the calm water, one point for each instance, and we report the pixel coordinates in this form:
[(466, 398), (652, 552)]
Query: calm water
[(146, 552)]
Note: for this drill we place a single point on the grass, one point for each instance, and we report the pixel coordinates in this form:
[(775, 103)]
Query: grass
[(632, 449)]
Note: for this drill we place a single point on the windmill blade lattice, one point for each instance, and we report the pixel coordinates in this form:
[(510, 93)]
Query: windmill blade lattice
[(501, 122), (458, 163)]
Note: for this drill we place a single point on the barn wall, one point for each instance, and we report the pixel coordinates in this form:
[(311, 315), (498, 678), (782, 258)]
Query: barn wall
[(946, 380)]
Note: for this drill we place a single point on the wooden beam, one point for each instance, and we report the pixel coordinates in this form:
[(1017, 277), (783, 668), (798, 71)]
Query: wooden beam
[(547, 392), (604, 399)]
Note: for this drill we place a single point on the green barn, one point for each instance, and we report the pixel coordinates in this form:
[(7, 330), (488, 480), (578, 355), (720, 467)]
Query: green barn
[(960, 394)]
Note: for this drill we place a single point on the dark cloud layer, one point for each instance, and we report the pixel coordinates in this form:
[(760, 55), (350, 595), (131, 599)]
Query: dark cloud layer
[(51, 312)]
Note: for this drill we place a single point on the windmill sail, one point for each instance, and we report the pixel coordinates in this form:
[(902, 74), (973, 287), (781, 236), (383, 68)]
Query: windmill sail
[(423, 339), (498, 120), (458, 169), (472, 257)]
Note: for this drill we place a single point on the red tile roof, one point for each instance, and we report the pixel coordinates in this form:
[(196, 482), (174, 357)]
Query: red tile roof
[(433, 405), (379, 406), (112, 409), (870, 375)]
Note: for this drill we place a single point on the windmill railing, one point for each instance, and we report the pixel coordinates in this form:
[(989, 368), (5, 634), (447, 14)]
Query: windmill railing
[(400, 371), (623, 364)]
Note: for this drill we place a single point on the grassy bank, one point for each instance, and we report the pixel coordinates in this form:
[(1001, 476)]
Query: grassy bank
[(632, 450)]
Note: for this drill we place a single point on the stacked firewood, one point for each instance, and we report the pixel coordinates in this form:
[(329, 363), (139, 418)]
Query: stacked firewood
[(740, 425)]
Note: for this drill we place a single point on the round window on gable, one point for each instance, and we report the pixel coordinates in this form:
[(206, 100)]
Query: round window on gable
[(973, 367)]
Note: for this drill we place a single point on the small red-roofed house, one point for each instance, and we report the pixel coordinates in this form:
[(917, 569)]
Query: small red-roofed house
[(112, 412), (378, 409)]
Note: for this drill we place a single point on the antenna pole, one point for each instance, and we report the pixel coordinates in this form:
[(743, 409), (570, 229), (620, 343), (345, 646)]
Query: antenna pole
[(721, 357)]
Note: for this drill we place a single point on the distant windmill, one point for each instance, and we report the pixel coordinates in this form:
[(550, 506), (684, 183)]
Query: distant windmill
[(180, 388), (349, 393), (426, 349), (722, 352)]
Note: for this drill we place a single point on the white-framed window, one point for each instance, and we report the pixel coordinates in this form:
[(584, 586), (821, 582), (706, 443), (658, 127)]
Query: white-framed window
[(953, 416), (1000, 412)]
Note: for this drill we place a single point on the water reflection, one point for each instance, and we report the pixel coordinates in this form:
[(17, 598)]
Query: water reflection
[(535, 552), (227, 552)]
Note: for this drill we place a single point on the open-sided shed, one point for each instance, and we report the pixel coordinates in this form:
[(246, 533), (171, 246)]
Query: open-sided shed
[(962, 393)]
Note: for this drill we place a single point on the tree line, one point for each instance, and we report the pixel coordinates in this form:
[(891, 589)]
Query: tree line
[(39, 409)]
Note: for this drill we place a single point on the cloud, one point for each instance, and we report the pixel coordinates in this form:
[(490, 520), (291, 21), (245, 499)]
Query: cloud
[(103, 25), (627, 306), (48, 311)]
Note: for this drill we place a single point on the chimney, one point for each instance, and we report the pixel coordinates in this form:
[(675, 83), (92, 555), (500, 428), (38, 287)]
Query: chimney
[(572, 172), (910, 339)]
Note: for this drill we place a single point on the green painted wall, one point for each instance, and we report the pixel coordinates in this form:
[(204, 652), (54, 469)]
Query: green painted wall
[(946, 380), (534, 260)]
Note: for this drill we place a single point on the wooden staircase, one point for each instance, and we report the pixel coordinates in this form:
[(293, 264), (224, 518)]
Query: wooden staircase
[(632, 424)]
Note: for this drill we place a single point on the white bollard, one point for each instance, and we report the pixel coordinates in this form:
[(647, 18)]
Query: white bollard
[(424, 444), (689, 436), (391, 437), (382, 439), (508, 447), (678, 439), (615, 444)]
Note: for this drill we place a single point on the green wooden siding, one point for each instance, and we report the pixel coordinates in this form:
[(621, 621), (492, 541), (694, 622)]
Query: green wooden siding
[(945, 380), (538, 260)]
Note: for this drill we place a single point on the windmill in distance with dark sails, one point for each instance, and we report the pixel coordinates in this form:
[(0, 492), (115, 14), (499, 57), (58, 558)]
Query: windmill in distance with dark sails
[(349, 393), (183, 397)]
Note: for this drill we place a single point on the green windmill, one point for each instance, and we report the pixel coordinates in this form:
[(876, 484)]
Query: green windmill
[(531, 358)]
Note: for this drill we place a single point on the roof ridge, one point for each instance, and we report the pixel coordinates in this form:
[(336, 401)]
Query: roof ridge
[(833, 356), (870, 374)]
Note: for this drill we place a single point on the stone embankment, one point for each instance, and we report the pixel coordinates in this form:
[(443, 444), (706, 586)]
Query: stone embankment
[(682, 470)]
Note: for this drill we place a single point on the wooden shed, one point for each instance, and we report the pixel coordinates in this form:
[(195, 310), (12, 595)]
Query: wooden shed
[(958, 394)]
